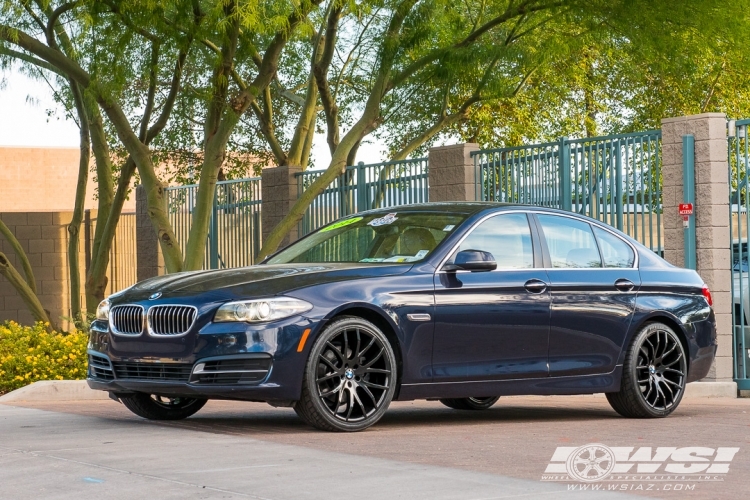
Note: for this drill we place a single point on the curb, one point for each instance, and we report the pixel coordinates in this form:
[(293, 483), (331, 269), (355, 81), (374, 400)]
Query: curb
[(55, 390), (711, 390)]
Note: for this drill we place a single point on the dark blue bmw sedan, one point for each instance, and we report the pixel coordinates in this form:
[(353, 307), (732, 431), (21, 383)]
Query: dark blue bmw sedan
[(461, 302)]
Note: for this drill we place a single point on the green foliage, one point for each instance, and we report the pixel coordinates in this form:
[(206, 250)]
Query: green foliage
[(29, 354)]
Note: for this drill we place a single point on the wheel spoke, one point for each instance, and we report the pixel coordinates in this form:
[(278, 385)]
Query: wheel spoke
[(373, 360), (359, 402), (356, 350), (369, 393), (329, 363), (667, 353), (328, 377), (675, 384), (377, 370), (360, 353), (374, 386), (336, 351), (346, 345), (679, 357)]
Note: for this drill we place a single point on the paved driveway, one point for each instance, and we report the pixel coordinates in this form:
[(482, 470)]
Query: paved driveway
[(97, 449)]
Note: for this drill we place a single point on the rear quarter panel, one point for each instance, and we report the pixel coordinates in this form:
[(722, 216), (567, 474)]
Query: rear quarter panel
[(673, 296)]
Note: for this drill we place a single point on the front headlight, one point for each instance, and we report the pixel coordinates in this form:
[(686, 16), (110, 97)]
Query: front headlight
[(102, 310), (262, 310)]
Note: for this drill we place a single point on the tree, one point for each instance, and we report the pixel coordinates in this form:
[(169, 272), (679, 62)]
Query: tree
[(209, 80)]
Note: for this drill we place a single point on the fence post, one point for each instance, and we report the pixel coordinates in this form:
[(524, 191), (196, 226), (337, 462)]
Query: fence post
[(213, 233), (688, 196), (618, 185), (149, 261), (362, 203), (451, 175), (278, 192), (712, 221), (563, 161)]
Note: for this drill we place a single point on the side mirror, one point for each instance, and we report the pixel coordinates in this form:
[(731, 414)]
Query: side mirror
[(472, 260)]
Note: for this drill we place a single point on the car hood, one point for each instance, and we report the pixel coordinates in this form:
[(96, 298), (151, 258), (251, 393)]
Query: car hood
[(253, 281)]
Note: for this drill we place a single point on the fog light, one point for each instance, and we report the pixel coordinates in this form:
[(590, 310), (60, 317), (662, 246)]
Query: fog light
[(228, 340)]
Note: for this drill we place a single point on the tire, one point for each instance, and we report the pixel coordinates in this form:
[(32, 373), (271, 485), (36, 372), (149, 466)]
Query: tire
[(155, 407), (653, 375), (350, 377), (470, 403)]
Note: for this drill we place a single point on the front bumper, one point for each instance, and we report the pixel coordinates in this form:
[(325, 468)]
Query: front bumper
[(221, 361)]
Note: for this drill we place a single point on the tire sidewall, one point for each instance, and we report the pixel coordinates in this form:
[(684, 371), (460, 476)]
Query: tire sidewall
[(632, 372), (310, 385)]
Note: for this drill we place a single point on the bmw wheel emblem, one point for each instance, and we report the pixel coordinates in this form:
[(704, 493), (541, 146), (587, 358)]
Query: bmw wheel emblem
[(155, 296)]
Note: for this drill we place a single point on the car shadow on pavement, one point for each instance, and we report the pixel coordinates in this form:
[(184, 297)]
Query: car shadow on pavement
[(400, 416)]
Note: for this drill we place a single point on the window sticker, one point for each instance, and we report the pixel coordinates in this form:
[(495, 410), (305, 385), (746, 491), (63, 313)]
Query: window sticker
[(449, 227), (421, 254), (383, 221), (373, 259), (397, 258), (341, 223)]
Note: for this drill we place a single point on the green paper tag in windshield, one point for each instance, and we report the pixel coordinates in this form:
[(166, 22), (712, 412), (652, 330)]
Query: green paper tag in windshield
[(341, 223)]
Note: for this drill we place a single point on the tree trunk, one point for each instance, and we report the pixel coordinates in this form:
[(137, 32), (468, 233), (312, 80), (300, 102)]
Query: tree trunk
[(23, 289), (195, 251), (74, 228)]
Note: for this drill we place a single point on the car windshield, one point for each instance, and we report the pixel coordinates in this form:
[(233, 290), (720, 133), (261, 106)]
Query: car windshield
[(392, 237)]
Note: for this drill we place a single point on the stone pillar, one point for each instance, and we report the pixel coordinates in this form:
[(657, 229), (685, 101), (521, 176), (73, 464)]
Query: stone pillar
[(149, 260), (279, 192), (711, 218), (451, 173)]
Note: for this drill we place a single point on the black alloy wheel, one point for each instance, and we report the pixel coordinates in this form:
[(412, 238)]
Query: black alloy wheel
[(654, 374), (155, 407), (350, 378), (470, 403)]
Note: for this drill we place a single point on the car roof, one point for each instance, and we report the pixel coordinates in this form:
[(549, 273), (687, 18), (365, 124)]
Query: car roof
[(459, 207)]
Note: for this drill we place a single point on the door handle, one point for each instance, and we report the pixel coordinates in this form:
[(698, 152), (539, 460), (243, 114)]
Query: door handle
[(624, 285), (535, 286)]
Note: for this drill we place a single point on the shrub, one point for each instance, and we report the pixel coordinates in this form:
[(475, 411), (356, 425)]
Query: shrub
[(30, 353)]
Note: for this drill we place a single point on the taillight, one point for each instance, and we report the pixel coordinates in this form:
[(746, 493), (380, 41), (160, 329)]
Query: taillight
[(707, 293)]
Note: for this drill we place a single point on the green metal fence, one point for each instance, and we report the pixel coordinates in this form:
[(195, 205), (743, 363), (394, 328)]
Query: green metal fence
[(616, 179), (363, 187), (739, 206), (234, 236)]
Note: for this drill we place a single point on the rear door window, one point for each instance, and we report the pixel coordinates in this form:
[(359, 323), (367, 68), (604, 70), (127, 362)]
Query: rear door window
[(571, 242), (616, 253)]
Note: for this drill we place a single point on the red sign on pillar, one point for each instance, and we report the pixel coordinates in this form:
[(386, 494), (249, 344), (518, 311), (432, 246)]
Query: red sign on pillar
[(686, 209)]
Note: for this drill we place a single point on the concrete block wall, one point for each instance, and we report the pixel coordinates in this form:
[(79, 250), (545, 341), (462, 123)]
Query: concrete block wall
[(44, 238), (278, 192), (711, 217), (451, 173)]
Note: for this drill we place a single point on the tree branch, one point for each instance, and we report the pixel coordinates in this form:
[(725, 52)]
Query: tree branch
[(20, 254)]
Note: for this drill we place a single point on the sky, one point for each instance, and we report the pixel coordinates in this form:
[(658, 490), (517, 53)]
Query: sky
[(24, 121)]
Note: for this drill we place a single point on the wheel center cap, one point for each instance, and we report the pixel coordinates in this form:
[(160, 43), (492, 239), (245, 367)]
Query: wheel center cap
[(349, 373), (652, 369)]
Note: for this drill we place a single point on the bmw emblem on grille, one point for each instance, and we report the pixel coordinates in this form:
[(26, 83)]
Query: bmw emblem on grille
[(155, 296)]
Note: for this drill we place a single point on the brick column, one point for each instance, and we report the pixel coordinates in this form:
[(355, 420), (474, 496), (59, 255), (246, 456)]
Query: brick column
[(451, 173), (149, 260), (279, 192), (711, 218)]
